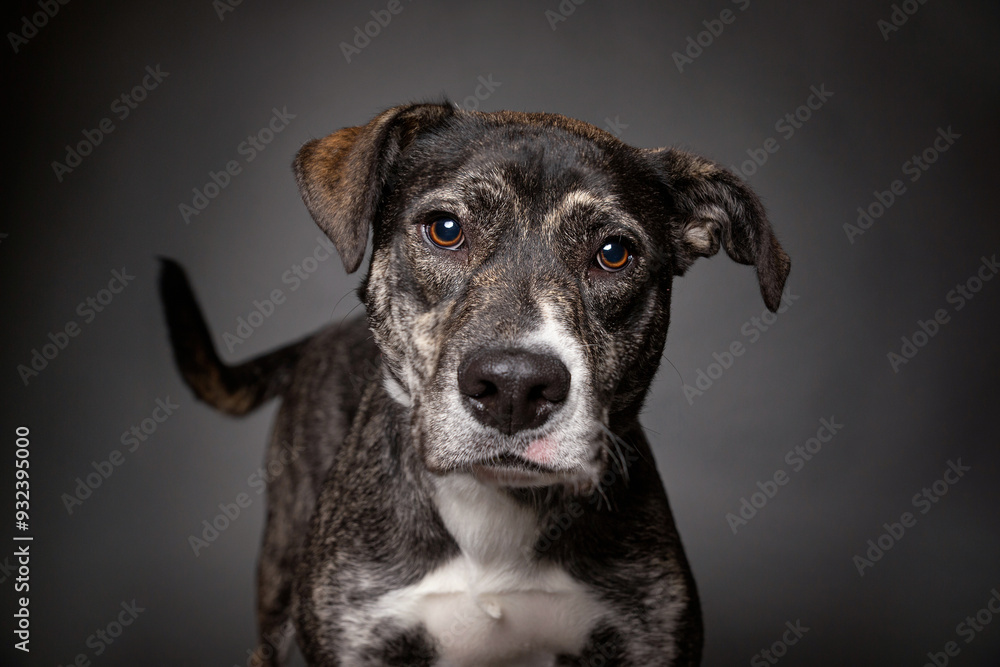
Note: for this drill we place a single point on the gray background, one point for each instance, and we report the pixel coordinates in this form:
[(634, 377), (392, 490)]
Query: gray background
[(826, 356)]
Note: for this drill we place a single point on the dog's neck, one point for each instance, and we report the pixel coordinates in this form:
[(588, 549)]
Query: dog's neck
[(489, 526)]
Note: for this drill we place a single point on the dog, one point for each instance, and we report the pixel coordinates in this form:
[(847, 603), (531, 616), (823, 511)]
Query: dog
[(464, 480)]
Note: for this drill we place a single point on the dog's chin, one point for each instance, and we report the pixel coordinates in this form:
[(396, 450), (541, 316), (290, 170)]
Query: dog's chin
[(516, 477)]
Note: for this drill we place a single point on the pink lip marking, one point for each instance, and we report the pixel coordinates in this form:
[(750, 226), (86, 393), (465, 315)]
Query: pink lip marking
[(542, 450)]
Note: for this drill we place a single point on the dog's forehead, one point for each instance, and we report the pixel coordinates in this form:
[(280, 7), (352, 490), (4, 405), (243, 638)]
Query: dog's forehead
[(546, 168)]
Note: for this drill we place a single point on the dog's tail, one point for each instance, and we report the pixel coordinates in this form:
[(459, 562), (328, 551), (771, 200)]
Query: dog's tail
[(233, 389)]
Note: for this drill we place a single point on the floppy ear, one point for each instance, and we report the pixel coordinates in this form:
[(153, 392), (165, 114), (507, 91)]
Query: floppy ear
[(341, 176), (715, 207)]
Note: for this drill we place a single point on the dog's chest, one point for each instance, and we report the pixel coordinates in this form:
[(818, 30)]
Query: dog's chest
[(494, 605)]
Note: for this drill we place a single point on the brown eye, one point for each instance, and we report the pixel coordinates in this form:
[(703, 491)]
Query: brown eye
[(445, 233), (613, 256)]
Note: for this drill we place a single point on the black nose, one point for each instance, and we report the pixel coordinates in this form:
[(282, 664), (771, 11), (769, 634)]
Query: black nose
[(512, 390)]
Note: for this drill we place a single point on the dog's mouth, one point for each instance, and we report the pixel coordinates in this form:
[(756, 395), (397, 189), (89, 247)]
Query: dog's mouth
[(511, 470)]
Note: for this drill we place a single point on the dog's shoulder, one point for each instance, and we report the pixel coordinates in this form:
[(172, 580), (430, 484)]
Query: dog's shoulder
[(340, 358)]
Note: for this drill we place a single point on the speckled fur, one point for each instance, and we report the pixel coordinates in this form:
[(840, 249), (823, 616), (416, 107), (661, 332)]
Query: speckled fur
[(353, 515)]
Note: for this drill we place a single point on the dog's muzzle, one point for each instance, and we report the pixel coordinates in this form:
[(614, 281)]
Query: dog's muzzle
[(513, 390)]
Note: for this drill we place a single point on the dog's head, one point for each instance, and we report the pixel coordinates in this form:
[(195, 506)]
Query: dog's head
[(519, 286)]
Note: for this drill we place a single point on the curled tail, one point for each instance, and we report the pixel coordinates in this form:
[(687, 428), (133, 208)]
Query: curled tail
[(233, 389)]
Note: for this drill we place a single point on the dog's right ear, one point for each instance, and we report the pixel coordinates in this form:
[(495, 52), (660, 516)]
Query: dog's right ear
[(341, 176)]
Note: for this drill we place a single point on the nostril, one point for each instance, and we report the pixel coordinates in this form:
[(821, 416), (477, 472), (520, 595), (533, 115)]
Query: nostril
[(546, 393), (553, 381), (484, 390)]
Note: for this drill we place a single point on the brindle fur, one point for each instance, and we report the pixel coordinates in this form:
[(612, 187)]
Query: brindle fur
[(352, 516)]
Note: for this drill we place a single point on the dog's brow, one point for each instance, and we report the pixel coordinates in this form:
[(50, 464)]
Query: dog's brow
[(577, 199), (460, 192), (490, 182), (448, 196)]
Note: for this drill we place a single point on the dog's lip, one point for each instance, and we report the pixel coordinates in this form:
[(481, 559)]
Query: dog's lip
[(514, 462), (512, 470), (507, 476)]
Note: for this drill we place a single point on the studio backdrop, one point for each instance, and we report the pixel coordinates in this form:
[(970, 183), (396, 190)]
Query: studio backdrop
[(832, 467)]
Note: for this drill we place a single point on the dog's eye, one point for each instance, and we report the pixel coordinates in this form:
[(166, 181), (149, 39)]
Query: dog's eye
[(445, 233), (613, 256)]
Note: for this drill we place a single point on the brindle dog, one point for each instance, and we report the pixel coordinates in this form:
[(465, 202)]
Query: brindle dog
[(488, 497)]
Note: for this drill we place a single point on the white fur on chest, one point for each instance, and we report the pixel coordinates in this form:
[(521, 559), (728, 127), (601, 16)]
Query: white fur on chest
[(494, 605)]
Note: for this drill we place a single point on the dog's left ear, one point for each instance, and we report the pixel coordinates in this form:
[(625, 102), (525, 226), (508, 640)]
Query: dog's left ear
[(715, 207), (341, 176)]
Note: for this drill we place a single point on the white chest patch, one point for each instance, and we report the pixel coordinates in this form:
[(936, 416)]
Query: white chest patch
[(493, 606)]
